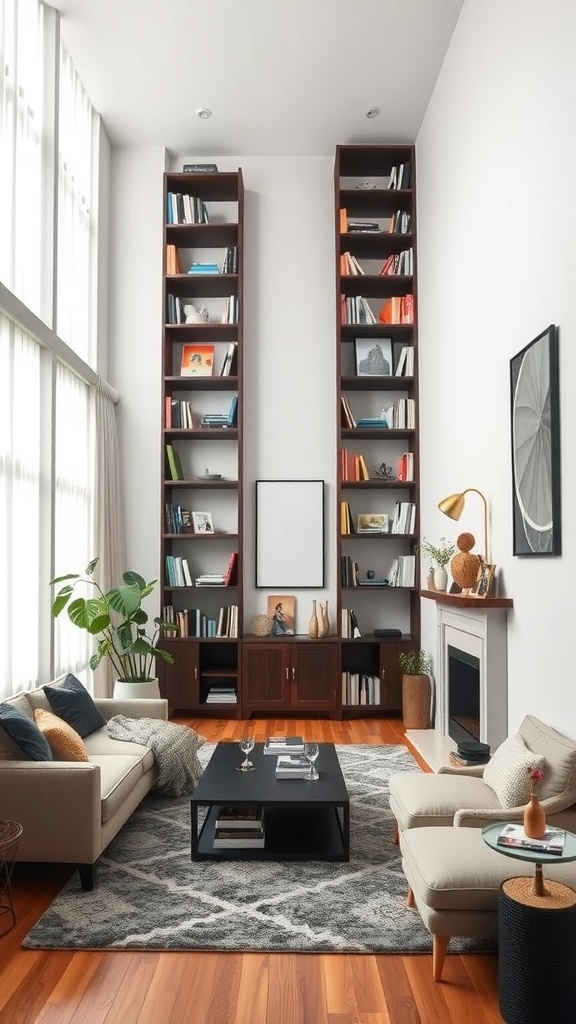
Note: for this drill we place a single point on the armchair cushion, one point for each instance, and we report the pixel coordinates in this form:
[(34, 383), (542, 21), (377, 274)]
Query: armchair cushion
[(25, 734), (507, 771), (64, 742), (73, 703), (560, 754)]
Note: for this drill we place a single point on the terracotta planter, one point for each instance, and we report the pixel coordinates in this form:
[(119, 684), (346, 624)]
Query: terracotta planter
[(416, 694), (534, 818)]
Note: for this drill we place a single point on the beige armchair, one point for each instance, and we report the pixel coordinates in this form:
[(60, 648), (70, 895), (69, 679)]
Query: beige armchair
[(498, 791)]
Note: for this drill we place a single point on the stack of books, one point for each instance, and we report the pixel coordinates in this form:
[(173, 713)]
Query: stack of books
[(284, 745), (221, 695), (292, 766), (470, 752), (240, 828)]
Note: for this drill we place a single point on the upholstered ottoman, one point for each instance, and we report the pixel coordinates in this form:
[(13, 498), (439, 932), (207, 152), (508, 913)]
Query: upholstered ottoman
[(454, 881)]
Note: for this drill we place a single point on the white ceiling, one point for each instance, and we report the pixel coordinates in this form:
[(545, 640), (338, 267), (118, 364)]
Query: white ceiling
[(291, 77)]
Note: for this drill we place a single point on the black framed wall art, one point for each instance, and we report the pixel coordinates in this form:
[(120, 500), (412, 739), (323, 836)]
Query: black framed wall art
[(535, 435)]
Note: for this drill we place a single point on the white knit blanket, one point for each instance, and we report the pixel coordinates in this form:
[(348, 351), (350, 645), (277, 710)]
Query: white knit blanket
[(175, 748)]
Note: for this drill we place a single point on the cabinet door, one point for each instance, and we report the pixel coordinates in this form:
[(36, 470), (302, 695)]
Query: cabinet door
[(179, 683), (265, 677), (391, 675), (314, 676)]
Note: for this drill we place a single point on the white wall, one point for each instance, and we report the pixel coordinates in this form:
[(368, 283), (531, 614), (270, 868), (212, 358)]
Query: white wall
[(497, 230), (289, 332)]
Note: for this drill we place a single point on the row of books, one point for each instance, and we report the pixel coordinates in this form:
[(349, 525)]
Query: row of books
[(356, 310), (402, 571), (184, 209), (398, 309), (398, 224), (405, 467), (349, 571), (404, 519), (400, 263), (405, 364), (349, 624), (221, 695), (221, 419), (400, 176), (359, 688), (401, 415), (178, 571), (192, 622), (239, 827), (352, 466), (177, 518), (277, 745)]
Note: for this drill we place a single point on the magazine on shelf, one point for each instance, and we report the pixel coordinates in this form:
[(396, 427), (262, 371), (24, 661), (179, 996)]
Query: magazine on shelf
[(514, 835), (284, 745)]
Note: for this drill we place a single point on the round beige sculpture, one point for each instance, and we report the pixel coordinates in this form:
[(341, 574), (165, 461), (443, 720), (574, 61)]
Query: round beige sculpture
[(261, 625), (464, 565)]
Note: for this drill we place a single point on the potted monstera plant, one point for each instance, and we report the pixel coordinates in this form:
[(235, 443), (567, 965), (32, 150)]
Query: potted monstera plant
[(118, 623)]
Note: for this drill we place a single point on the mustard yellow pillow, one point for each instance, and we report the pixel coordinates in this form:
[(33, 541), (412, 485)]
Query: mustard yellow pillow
[(64, 741)]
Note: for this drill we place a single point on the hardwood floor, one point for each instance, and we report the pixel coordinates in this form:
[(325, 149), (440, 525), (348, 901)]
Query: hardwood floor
[(42, 987)]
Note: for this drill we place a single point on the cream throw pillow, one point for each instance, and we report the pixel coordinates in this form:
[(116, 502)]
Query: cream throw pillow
[(64, 741), (507, 771)]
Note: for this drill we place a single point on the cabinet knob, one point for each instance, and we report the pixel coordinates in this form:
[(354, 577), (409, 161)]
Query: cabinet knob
[(383, 674), (293, 674), (196, 672), (287, 676)]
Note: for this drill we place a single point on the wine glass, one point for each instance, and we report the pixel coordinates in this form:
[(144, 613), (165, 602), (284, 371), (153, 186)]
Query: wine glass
[(246, 745), (311, 752)]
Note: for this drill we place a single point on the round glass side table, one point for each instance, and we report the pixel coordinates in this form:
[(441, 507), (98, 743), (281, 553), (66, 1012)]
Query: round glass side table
[(536, 938), (10, 832)]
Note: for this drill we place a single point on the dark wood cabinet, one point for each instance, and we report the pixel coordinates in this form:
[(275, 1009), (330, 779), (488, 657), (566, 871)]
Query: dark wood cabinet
[(290, 676), (203, 673)]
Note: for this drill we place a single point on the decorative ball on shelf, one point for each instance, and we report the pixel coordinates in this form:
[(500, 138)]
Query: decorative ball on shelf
[(261, 625), (464, 565), (370, 574)]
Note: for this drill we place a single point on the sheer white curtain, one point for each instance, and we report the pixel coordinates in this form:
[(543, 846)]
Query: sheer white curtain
[(73, 505), (21, 157), (77, 234), (20, 509), (108, 510)]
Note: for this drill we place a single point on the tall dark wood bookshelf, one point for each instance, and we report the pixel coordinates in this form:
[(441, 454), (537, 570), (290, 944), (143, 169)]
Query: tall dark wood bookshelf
[(210, 455), (373, 187)]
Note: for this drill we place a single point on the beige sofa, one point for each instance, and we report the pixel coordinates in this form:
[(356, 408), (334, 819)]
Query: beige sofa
[(71, 810)]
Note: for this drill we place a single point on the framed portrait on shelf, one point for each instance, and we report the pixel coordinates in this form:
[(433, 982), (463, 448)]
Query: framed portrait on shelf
[(535, 436), (202, 522), (484, 580), (372, 522), (374, 357), (282, 612)]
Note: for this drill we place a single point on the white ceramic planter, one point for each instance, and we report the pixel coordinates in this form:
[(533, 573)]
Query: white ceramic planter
[(440, 578), (136, 691)]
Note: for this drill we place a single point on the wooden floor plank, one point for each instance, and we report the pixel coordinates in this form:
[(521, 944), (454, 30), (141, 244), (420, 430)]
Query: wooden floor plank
[(42, 987)]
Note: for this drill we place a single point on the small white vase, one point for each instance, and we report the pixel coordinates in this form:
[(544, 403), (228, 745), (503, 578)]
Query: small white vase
[(136, 691), (440, 578)]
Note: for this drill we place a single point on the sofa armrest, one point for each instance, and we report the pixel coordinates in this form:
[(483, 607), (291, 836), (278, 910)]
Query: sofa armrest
[(58, 803), (468, 817), (476, 771), (154, 708)]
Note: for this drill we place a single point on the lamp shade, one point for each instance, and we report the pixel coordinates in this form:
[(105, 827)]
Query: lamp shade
[(452, 506)]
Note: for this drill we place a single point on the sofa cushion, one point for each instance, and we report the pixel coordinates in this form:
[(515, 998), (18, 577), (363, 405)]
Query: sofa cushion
[(100, 742), (25, 734), (418, 799), (508, 771), (64, 742), (118, 776), (73, 703)]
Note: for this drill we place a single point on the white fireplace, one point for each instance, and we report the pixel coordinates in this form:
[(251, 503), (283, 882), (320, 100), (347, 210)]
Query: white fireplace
[(479, 633)]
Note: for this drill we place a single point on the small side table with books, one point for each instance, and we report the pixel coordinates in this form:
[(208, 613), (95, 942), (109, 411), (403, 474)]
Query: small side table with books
[(537, 929)]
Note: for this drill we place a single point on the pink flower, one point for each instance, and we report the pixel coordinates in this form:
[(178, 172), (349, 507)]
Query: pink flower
[(536, 775)]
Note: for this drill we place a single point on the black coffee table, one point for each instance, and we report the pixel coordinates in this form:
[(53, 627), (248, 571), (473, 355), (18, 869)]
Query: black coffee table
[(302, 820)]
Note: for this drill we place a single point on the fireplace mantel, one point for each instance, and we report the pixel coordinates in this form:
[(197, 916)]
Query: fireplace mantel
[(467, 600)]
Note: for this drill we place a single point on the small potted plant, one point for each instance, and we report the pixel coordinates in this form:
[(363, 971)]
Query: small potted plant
[(117, 620), (416, 689), (439, 555)]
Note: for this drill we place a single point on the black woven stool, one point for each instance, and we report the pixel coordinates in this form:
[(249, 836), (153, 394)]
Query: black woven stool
[(537, 953)]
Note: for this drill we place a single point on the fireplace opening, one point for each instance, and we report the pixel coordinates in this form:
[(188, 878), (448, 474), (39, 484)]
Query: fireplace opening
[(463, 695)]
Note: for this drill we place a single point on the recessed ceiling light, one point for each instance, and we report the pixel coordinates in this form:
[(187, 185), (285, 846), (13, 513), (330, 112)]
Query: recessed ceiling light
[(203, 113), (373, 112)]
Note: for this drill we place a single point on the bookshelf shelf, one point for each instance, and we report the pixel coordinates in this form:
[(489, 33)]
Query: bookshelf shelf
[(371, 657), (202, 611)]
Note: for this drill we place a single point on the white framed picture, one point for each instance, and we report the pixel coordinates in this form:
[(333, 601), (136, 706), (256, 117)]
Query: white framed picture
[(202, 522), (374, 357)]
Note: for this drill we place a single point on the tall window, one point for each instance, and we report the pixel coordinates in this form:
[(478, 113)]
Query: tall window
[(20, 508), (77, 241), (21, 126)]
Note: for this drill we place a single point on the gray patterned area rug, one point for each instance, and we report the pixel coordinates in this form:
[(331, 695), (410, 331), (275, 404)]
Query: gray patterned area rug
[(150, 895)]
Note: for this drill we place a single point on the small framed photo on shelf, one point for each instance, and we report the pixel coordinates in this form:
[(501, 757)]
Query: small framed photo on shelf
[(372, 522), (202, 522), (197, 361), (373, 357), (484, 580), (281, 610)]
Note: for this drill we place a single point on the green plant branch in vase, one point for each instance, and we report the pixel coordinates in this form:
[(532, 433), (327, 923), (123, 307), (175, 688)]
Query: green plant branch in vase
[(438, 554)]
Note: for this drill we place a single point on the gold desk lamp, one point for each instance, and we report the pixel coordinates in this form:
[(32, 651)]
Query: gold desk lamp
[(453, 505)]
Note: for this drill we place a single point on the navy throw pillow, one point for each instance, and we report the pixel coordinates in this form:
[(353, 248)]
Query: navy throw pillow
[(73, 703), (25, 733)]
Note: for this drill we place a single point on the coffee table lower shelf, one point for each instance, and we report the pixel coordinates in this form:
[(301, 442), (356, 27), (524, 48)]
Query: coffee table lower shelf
[(292, 833)]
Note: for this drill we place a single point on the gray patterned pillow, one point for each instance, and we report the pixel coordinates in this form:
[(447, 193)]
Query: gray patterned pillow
[(507, 771)]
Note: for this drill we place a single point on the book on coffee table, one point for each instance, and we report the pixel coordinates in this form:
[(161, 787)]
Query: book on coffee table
[(284, 745), (249, 839), (232, 817), (514, 835), (292, 766)]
